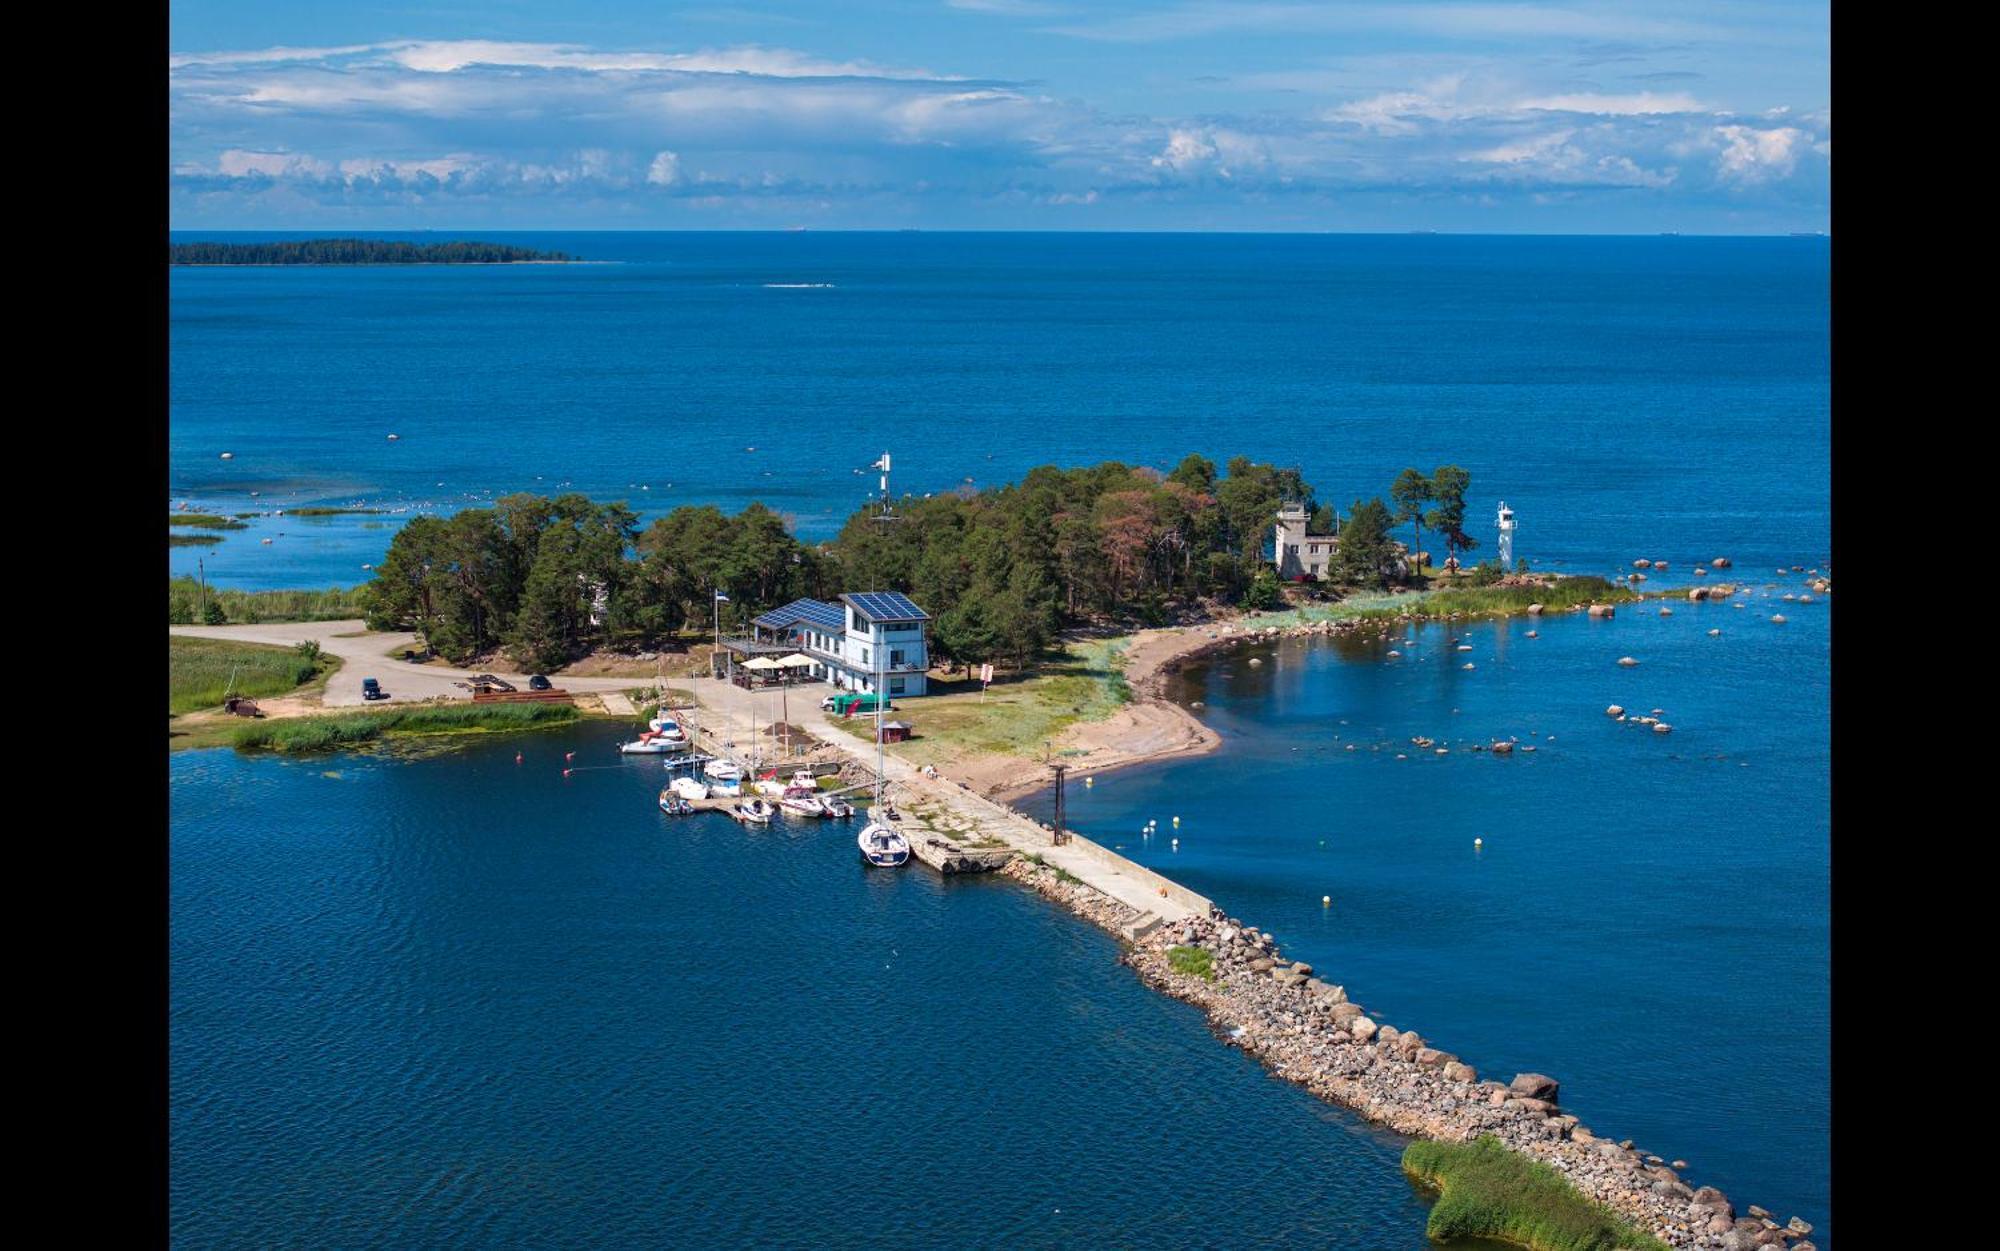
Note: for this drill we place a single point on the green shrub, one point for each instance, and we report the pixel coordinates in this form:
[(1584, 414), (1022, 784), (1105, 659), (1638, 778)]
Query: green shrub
[(1489, 1191), (1197, 961)]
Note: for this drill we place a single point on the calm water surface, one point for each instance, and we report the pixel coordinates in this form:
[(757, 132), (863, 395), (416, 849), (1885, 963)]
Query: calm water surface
[(464, 1002), (1646, 916), (1613, 391)]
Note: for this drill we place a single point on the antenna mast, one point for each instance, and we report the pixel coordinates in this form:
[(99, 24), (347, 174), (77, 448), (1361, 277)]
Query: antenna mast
[(888, 512)]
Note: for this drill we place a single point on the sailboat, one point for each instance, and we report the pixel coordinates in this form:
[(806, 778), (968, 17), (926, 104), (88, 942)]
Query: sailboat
[(882, 844)]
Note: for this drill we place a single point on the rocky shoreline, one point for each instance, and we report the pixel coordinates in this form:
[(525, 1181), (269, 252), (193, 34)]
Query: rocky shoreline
[(1306, 1030)]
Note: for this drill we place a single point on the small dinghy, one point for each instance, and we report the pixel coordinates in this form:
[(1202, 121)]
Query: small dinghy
[(753, 811), (883, 845), (673, 805), (689, 788)]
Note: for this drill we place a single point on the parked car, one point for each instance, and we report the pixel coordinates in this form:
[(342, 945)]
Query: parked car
[(371, 689), (539, 682)]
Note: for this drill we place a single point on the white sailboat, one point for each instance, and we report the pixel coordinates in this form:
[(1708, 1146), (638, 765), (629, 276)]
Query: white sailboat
[(882, 844)]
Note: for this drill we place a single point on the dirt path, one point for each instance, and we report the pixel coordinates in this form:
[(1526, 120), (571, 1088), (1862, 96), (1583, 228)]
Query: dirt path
[(367, 655)]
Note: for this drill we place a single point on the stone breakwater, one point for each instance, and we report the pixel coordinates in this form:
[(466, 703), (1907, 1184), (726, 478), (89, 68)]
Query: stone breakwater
[(1306, 1030)]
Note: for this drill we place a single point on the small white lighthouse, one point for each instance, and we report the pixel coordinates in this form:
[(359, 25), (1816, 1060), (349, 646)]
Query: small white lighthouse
[(1506, 523)]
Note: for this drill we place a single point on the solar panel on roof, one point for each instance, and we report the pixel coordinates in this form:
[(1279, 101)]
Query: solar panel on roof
[(887, 606)]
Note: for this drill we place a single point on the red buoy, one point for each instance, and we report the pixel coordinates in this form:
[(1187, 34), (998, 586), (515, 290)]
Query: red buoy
[(569, 755), (567, 772)]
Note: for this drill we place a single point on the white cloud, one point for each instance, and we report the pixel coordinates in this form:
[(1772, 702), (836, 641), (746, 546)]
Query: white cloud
[(1750, 155), (665, 170)]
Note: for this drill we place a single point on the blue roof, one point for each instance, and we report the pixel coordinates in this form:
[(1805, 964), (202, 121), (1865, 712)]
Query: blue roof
[(813, 612), (886, 606)]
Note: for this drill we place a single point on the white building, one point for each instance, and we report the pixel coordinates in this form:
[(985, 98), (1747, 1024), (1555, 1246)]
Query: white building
[(1298, 554), (848, 641)]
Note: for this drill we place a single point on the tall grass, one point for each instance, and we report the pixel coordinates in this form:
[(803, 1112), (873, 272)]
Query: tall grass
[(1489, 1191), (1196, 961), (205, 521), (252, 607), (1565, 594), (199, 671), (327, 733)]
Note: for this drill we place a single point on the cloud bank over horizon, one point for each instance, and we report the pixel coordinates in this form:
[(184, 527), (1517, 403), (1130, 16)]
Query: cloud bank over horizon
[(1359, 117)]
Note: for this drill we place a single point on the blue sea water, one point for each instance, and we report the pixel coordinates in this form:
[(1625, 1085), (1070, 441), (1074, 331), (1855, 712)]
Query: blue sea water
[(447, 1001), (460, 1002), (1614, 391), (1644, 916)]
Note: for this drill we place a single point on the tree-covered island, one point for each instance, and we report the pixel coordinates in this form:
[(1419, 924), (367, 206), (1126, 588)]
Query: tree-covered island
[(1003, 571), (356, 252)]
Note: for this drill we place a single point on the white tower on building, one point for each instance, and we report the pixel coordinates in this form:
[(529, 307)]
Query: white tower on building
[(1506, 523)]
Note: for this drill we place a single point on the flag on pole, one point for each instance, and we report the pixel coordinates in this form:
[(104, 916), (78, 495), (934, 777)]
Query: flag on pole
[(720, 598)]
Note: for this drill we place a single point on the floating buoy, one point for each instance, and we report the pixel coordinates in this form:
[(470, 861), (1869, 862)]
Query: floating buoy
[(229, 456), (1090, 781), (517, 757), (1479, 842), (569, 755), (1326, 901), (1177, 844), (1177, 823), (394, 437), (567, 772)]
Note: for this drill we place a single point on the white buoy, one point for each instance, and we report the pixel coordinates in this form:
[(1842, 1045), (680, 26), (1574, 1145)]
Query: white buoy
[(1326, 901), (1177, 823), (1479, 842), (1177, 844), (229, 456), (1090, 781)]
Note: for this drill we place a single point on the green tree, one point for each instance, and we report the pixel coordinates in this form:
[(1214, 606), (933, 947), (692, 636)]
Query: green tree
[(1263, 592), (1411, 492), (1365, 556), (1448, 487)]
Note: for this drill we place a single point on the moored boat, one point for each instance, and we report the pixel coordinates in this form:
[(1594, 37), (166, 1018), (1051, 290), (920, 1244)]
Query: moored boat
[(672, 804), (753, 811), (724, 777), (802, 805), (689, 788), (883, 845)]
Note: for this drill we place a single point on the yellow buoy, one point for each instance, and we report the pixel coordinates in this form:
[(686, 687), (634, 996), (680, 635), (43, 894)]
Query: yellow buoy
[(1326, 901), (1090, 781)]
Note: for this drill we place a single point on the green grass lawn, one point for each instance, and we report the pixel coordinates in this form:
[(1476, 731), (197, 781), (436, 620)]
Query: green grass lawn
[(1489, 1191), (1085, 682), (199, 671)]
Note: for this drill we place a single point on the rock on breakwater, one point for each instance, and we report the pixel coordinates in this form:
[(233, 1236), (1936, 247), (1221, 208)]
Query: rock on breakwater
[(1306, 1030)]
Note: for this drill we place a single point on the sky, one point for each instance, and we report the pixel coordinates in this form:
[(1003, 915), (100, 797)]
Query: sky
[(1241, 115)]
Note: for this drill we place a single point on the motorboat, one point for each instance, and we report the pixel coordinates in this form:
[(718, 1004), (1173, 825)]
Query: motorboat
[(689, 788), (839, 809), (724, 777), (672, 804), (662, 735), (802, 805), (755, 811), (883, 845), (770, 786)]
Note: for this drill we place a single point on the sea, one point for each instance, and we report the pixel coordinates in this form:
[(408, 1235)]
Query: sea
[(454, 999)]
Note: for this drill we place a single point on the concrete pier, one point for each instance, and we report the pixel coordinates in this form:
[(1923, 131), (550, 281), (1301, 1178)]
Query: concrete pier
[(967, 825)]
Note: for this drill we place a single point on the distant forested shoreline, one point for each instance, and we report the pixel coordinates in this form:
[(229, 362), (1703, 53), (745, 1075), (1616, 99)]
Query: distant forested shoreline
[(354, 252)]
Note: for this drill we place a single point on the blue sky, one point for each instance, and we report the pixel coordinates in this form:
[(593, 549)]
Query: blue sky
[(1466, 115)]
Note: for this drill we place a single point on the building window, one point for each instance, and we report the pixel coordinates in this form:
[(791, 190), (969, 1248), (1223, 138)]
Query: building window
[(895, 660), (864, 656), (895, 686)]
